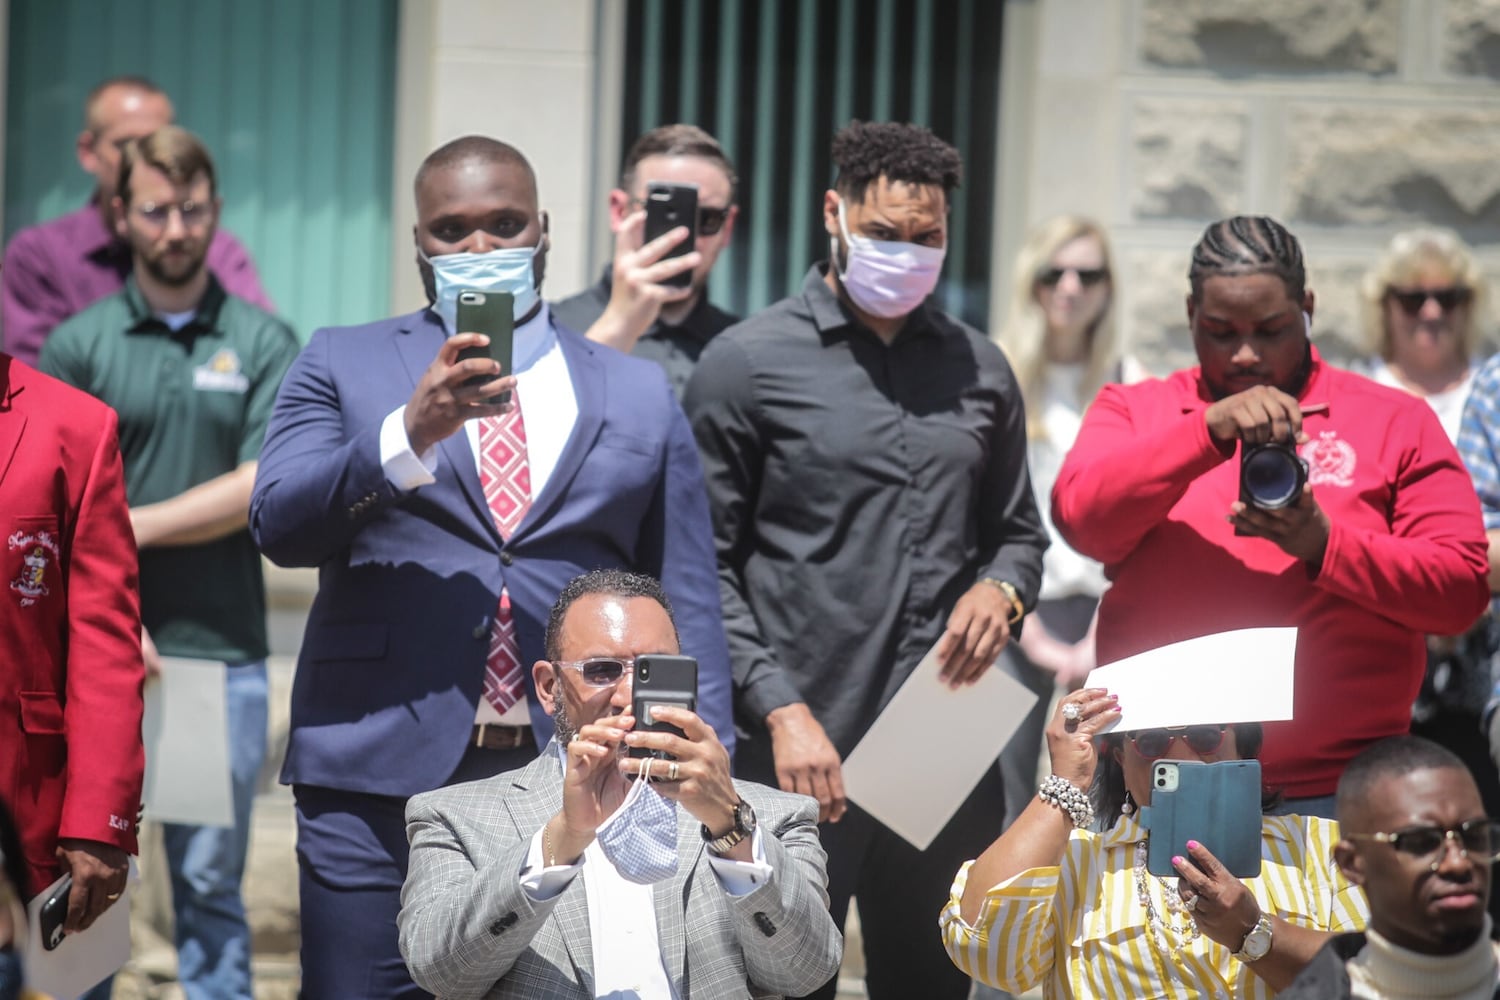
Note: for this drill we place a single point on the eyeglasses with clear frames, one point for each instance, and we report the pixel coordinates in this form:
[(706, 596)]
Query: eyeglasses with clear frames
[(193, 213), (1476, 838), (600, 671)]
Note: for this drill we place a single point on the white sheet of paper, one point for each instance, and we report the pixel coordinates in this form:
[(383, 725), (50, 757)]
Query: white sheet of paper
[(970, 726), (1227, 677), (186, 731), (82, 960)]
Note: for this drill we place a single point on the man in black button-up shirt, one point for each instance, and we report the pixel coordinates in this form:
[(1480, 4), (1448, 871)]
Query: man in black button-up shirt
[(866, 463)]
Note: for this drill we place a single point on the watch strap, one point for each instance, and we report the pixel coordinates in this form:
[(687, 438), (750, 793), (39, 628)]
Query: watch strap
[(1262, 928), (741, 829), (1017, 608)]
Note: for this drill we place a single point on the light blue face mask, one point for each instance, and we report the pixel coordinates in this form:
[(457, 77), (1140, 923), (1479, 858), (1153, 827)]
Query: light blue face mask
[(640, 839), (506, 270)]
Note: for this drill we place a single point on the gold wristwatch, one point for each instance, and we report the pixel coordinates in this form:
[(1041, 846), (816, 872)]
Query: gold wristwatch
[(1257, 944), (1017, 609)]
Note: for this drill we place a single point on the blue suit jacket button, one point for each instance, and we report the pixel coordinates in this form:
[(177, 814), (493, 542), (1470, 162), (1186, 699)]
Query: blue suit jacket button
[(506, 558)]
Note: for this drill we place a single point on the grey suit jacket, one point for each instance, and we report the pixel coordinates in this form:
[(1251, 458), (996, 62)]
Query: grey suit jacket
[(468, 929)]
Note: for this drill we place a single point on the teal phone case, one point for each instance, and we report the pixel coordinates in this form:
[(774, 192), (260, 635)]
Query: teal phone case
[(1217, 805)]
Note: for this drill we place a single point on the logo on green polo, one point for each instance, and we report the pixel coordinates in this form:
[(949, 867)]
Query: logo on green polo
[(221, 373)]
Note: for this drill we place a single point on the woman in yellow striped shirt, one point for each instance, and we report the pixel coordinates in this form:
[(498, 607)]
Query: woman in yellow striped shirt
[(1053, 903)]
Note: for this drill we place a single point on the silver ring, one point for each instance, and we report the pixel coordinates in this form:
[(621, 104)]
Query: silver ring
[(1072, 711), (672, 772), (112, 896), (1191, 903)]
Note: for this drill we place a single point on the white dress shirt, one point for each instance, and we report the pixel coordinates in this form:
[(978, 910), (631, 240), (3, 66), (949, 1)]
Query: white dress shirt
[(549, 408), (626, 948)]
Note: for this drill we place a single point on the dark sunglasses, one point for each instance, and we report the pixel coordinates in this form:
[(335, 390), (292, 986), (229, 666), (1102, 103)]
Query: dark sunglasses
[(710, 220), (1154, 743), (600, 671), (1088, 277), (1477, 838), (1448, 299)]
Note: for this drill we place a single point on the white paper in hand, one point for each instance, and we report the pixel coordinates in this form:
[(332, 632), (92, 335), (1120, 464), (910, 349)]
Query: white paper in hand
[(890, 774), (186, 732), (1227, 677)]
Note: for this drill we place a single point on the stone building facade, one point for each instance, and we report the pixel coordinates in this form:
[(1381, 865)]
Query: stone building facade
[(1349, 120)]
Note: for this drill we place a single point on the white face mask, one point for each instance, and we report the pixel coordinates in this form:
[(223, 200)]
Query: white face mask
[(640, 838), (886, 278), (510, 270)]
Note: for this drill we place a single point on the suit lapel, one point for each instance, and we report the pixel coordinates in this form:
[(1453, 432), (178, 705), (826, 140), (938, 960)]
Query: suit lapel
[(671, 898), (536, 799), (586, 373), (418, 344), (12, 421)]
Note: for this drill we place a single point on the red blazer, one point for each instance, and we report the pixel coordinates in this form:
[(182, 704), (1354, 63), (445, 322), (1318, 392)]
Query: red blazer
[(71, 759)]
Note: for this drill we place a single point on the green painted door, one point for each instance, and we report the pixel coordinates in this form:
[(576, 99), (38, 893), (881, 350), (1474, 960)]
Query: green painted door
[(294, 99)]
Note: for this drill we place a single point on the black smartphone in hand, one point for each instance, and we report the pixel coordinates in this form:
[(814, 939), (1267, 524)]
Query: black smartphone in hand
[(662, 680), (54, 912), (492, 314), (667, 207)]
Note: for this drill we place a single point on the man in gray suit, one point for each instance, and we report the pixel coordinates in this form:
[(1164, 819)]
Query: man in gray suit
[(567, 878)]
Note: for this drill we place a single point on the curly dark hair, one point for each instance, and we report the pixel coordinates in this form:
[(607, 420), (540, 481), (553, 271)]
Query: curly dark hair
[(863, 152), (613, 582)]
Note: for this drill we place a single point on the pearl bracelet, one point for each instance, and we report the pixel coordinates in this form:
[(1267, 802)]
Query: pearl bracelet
[(1062, 793)]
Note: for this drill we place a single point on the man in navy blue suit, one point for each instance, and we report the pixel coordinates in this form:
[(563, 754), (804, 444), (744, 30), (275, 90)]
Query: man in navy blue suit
[(443, 526)]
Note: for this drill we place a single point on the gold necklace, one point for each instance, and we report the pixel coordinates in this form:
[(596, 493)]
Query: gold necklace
[(1186, 928)]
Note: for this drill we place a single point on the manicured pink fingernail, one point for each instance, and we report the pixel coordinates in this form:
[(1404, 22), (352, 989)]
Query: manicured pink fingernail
[(1193, 845), (1176, 859)]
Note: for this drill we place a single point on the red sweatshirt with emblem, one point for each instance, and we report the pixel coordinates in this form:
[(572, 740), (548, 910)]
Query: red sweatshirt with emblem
[(1146, 491)]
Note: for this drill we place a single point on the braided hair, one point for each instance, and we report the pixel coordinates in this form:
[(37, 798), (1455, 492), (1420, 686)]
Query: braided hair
[(1248, 244)]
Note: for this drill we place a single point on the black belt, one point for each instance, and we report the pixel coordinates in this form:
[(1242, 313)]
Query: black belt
[(493, 736)]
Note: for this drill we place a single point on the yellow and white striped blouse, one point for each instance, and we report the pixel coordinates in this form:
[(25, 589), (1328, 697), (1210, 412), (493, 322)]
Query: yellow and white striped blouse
[(1080, 930)]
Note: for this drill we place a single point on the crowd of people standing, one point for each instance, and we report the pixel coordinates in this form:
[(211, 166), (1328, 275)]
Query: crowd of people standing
[(806, 501)]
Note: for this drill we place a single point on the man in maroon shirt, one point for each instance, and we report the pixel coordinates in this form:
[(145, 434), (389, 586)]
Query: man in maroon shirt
[(54, 269)]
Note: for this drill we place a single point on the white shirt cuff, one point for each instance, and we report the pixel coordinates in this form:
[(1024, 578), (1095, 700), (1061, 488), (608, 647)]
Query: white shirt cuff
[(404, 468), (740, 878), (542, 883)]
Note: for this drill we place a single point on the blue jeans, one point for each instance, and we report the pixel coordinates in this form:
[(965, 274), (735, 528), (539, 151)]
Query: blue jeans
[(207, 863)]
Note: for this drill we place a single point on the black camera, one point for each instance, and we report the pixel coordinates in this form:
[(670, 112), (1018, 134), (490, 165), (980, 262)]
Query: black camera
[(1272, 476)]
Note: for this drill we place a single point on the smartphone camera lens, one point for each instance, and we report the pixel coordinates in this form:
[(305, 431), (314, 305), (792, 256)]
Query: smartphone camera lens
[(643, 672), (1161, 782)]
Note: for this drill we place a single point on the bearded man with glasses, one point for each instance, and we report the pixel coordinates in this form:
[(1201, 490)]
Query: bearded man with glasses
[(1416, 839), (193, 372)]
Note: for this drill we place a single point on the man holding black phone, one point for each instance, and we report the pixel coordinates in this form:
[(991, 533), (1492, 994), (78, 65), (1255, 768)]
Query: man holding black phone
[(444, 519), (652, 300), (696, 884)]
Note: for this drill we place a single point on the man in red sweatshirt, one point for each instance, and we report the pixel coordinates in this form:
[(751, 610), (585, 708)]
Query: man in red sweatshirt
[(1384, 544)]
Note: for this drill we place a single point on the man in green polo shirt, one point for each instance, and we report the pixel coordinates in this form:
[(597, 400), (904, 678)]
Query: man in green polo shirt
[(193, 373)]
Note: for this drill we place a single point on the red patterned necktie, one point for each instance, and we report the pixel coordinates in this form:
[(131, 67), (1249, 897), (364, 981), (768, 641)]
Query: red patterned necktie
[(506, 477)]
